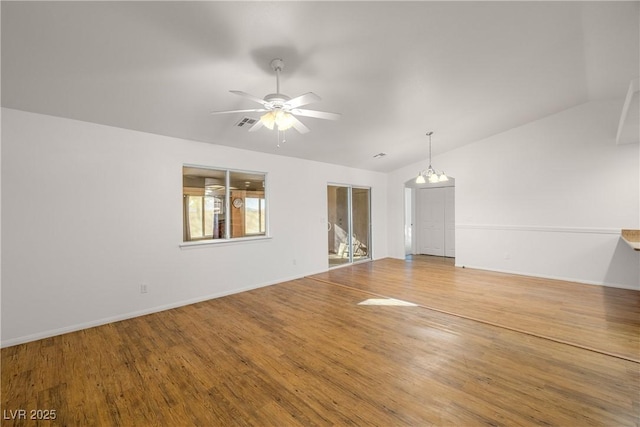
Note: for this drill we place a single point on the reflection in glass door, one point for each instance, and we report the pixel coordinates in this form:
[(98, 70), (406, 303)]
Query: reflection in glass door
[(349, 224), (361, 221), (338, 227)]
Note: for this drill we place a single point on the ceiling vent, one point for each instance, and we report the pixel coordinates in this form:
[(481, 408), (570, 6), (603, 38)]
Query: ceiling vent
[(246, 122)]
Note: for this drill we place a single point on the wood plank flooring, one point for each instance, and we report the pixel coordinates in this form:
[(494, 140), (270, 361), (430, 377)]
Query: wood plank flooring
[(304, 353), (600, 318)]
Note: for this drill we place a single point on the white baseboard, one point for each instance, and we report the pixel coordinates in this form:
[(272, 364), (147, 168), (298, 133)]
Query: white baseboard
[(538, 228), (131, 315), (541, 276)]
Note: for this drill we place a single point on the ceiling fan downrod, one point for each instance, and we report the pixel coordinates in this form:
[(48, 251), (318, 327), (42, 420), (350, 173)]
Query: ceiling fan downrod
[(277, 65)]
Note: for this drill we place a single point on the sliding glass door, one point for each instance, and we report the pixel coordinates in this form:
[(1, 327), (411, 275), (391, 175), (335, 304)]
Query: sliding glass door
[(349, 224), (361, 220)]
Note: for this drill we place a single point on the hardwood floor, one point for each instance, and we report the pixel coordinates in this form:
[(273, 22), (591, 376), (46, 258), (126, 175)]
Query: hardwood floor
[(599, 318), (306, 353)]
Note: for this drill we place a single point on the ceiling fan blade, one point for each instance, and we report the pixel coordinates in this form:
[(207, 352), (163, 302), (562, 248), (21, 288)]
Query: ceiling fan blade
[(315, 114), (253, 110), (249, 96), (257, 125), (299, 126), (301, 100)]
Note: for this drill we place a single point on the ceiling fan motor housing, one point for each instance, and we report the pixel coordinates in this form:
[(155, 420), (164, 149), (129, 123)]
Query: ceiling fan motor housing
[(277, 100)]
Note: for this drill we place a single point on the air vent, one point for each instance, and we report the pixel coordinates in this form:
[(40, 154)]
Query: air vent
[(246, 122), (377, 156)]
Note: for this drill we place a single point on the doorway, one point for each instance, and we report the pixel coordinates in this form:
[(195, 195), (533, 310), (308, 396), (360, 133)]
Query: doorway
[(435, 217), (430, 219), (349, 224)]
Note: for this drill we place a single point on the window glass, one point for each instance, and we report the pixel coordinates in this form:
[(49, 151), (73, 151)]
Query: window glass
[(247, 192), (207, 215), (254, 215), (195, 217)]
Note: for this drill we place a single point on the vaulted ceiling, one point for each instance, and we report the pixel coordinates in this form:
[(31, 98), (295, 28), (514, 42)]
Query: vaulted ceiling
[(394, 70)]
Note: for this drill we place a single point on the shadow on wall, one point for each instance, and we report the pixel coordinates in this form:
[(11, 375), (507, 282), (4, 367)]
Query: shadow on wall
[(619, 271), (624, 266)]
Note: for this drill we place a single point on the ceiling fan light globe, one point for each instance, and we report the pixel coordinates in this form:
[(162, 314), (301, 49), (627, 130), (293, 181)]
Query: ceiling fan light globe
[(284, 120), (268, 120)]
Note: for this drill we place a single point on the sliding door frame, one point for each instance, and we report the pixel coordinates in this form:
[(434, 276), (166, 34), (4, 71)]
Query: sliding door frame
[(350, 225)]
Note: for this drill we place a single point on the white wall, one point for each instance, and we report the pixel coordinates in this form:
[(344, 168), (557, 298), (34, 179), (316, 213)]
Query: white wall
[(545, 199), (90, 212)]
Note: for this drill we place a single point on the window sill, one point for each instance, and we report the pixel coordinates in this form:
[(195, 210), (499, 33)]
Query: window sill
[(237, 240)]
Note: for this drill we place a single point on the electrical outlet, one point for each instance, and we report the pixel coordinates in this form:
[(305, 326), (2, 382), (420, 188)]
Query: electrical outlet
[(143, 288)]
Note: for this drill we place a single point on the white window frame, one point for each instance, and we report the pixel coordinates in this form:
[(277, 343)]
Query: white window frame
[(227, 239)]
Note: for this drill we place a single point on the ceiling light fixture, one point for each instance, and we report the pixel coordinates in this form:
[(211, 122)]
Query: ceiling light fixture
[(280, 111), (431, 175), (277, 118)]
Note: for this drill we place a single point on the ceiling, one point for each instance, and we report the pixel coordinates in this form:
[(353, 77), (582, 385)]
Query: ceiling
[(394, 70)]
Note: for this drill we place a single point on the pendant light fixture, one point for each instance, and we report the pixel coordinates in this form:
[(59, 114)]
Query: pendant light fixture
[(431, 175)]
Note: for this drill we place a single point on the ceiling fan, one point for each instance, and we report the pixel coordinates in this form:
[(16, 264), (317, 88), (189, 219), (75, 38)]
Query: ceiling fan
[(281, 110)]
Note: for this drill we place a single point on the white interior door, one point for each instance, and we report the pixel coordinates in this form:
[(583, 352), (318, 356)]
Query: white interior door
[(435, 219), (431, 205)]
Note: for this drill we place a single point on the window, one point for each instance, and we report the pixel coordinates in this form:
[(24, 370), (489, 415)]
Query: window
[(222, 204), (254, 215)]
